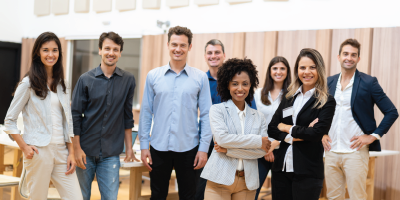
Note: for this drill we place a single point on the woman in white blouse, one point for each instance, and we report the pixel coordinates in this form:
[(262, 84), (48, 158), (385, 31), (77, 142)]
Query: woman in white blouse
[(268, 98), (43, 98)]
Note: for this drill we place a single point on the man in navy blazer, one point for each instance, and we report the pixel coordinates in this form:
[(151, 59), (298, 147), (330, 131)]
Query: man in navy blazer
[(354, 131)]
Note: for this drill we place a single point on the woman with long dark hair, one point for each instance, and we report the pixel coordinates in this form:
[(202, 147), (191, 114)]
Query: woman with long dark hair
[(43, 98), (268, 98), (301, 120)]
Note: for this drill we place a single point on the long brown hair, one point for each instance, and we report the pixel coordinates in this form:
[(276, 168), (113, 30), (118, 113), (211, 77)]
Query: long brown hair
[(269, 82), (37, 73), (321, 86)]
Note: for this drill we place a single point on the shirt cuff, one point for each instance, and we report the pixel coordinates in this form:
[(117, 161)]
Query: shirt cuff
[(144, 145), (289, 138), (204, 147), (378, 137)]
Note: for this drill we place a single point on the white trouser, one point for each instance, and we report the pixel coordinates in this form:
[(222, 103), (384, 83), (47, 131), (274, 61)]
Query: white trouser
[(50, 164)]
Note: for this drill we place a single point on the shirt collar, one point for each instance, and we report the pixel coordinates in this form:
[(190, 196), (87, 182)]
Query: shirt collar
[(310, 92), (279, 95), (241, 111), (186, 69), (99, 72), (209, 76), (351, 80)]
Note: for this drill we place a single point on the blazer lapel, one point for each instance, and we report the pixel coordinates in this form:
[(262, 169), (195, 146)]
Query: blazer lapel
[(231, 108), (309, 103), (249, 120), (333, 84), (355, 88)]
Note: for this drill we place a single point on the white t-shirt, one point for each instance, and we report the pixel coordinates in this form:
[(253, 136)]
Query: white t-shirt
[(57, 119)]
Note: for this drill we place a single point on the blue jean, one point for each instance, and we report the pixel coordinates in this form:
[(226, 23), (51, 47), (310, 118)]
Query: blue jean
[(107, 174)]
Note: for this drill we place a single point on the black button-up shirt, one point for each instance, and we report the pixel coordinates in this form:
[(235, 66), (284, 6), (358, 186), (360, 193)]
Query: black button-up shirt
[(102, 110)]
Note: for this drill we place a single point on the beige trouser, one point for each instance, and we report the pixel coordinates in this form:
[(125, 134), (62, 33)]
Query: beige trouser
[(347, 168), (51, 164), (237, 191)]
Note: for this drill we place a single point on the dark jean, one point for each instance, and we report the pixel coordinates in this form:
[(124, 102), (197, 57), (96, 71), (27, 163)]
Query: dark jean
[(289, 186), (263, 169), (107, 174), (163, 163)]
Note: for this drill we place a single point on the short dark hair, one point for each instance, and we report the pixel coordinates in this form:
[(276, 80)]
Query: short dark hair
[(112, 36), (179, 30), (229, 69), (353, 42), (215, 42)]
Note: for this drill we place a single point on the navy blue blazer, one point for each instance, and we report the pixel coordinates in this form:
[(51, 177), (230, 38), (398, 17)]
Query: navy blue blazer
[(367, 92)]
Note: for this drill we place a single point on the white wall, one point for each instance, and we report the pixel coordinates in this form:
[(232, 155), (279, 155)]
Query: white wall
[(17, 18)]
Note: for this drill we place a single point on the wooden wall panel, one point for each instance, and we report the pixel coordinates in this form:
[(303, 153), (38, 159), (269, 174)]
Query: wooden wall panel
[(152, 52), (324, 46), (364, 36), (234, 44), (290, 43), (261, 55), (385, 62), (26, 51)]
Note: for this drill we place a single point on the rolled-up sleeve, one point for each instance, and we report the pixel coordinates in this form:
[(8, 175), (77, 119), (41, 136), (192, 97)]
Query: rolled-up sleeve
[(204, 102), (79, 103), (146, 113), (21, 98), (128, 115)]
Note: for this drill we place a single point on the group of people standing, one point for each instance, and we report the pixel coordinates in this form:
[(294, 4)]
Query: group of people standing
[(219, 132)]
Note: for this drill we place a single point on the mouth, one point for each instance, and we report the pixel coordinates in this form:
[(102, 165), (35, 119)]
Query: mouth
[(278, 77), (178, 54), (308, 78), (110, 59), (50, 60), (239, 94)]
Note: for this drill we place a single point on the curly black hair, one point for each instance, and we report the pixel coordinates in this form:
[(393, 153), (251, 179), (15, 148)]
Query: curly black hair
[(229, 69)]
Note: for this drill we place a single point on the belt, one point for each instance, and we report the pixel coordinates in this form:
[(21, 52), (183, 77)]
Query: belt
[(239, 173)]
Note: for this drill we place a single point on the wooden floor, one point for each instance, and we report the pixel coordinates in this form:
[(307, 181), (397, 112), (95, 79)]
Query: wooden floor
[(123, 193)]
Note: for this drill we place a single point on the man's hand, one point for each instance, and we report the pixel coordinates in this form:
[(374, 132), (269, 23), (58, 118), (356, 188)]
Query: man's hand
[(219, 148), (200, 160), (80, 158), (146, 154), (71, 164), (360, 141), (266, 144), (297, 140), (269, 157), (29, 151), (284, 127), (130, 156), (326, 142), (313, 122)]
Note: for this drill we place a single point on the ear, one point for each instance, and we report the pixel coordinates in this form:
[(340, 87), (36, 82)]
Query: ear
[(120, 54), (358, 59), (338, 58), (99, 51), (190, 47)]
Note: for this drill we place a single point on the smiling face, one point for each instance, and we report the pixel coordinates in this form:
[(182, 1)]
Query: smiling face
[(49, 53), (349, 57), (307, 72), (214, 55), (110, 53), (278, 72), (179, 47), (239, 87)]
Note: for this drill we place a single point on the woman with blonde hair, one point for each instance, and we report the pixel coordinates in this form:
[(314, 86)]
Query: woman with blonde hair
[(300, 122)]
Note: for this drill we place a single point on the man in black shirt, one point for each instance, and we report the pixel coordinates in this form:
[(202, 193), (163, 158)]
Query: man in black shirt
[(103, 119)]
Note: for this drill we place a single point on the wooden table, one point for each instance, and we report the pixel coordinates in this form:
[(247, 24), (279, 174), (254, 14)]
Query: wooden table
[(371, 173)]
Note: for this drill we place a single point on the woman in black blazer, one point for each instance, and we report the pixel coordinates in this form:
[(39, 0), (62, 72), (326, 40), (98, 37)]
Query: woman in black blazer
[(300, 122)]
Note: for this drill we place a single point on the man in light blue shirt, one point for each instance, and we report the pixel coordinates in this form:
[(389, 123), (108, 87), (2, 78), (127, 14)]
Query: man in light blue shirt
[(172, 96)]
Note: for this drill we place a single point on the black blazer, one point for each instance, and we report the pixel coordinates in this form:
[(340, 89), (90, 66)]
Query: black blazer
[(307, 154), (366, 93)]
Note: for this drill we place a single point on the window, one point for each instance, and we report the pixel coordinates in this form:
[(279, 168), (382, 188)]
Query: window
[(86, 57)]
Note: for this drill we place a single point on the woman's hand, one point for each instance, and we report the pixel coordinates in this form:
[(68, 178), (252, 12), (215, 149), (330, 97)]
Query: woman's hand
[(284, 127), (71, 164), (219, 148), (269, 157), (297, 140), (274, 144), (313, 122), (29, 151)]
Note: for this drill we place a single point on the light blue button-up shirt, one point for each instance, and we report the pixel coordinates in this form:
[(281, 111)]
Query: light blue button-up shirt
[(171, 101)]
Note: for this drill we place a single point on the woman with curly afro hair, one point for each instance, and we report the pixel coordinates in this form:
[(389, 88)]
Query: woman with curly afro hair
[(240, 135)]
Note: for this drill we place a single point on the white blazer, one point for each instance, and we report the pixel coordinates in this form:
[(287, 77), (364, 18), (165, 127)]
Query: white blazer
[(226, 129)]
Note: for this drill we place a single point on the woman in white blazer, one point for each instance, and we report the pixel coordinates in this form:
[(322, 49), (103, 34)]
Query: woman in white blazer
[(239, 134), (43, 98)]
